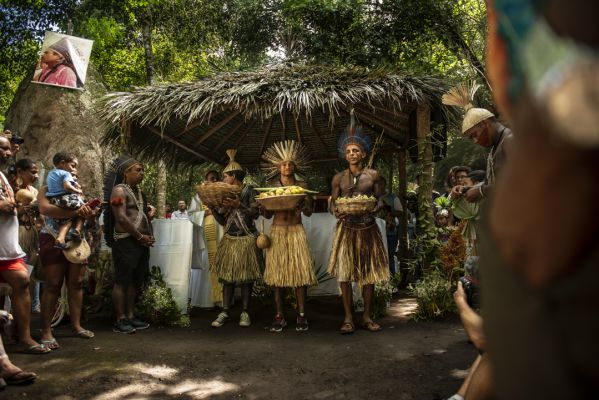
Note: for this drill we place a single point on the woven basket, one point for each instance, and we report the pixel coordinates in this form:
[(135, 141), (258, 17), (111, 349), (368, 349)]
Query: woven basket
[(356, 207), (279, 203), (212, 194)]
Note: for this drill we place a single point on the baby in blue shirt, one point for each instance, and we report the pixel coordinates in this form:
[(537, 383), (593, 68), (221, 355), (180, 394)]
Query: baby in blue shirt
[(65, 192)]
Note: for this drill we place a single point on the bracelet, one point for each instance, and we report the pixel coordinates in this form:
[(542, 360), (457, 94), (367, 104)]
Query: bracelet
[(480, 190), (141, 235)]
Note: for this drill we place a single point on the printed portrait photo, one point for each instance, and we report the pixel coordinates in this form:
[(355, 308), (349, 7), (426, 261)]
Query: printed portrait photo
[(63, 62)]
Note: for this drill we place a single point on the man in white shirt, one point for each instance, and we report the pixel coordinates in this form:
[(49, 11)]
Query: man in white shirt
[(181, 212)]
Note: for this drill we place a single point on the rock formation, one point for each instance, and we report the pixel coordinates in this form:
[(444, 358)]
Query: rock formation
[(53, 119)]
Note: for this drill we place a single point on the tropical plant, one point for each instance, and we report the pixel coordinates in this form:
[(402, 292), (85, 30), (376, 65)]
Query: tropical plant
[(157, 304), (433, 295)]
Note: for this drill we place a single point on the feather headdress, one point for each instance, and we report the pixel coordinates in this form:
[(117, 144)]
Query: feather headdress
[(353, 134), (288, 150), (462, 96), (232, 165)]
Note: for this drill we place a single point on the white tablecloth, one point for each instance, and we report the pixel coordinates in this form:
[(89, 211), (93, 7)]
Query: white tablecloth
[(172, 253)]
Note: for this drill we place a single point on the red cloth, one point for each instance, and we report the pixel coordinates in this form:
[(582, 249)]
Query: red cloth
[(12, 265)]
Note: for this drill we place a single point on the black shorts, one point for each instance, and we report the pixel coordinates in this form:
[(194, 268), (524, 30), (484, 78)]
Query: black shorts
[(131, 262)]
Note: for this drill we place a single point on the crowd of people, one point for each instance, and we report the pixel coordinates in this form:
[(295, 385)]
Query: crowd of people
[(533, 245)]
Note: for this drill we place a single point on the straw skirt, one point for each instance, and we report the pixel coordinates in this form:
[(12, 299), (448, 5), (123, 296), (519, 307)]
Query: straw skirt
[(358, 254), (238, 259), (289, 262)]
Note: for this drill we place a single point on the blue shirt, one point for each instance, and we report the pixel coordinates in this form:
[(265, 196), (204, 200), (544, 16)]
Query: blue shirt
[(55, 180)]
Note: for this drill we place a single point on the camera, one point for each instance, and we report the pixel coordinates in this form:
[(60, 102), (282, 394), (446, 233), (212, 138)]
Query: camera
[(470, 287), (465, 189)]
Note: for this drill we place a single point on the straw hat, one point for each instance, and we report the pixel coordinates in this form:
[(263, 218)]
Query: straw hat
[(462, 96), (232, 165)]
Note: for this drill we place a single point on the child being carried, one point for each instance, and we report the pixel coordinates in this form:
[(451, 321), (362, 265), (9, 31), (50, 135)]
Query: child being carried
[(65, 192)]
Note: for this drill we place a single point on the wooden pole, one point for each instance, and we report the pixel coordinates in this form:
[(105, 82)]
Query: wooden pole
[(402, 160), (426, 223)]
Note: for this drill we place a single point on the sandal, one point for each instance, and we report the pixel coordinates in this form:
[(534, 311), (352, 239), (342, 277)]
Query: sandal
[(36, 349), (20, 378), (347, 328), (85, 334), (371, 326), (52, 344)]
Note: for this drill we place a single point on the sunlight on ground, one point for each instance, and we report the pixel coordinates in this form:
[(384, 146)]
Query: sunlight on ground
[(156, 371), (459, 373), (403, 308), (191, 388)]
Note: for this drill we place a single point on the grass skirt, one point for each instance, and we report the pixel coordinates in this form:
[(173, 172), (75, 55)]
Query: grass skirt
[(238, 259), (289, 262), (358, 254)]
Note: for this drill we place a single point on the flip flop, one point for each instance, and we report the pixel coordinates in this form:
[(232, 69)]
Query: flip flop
[(52, 344), (36, 349), (371, 326), (347, 328), (85, 334), (20, 378)]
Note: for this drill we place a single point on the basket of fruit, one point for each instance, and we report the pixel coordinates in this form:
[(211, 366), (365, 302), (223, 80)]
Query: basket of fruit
[(281, 198), (357, 205), (212, 194)]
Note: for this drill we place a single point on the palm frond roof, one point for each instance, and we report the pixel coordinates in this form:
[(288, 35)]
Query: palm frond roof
[(197, 121)]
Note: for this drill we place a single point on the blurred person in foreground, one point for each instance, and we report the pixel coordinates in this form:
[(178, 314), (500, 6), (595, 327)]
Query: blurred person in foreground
[(540, 270)]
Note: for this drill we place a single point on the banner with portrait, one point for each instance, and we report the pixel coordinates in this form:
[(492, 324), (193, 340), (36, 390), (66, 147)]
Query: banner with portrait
[(63, 61)]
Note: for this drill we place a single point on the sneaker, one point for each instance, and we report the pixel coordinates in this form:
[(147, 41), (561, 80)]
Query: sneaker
[(138, 323), (220, 320), (123, 326), (244, 319), (301, 323), (278, 323)]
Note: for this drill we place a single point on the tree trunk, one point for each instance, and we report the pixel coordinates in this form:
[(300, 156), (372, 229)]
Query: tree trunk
[(146, 33), (426, 223), (403, 219)]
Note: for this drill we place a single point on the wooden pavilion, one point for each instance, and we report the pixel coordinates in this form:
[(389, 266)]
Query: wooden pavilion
[(191, 123)]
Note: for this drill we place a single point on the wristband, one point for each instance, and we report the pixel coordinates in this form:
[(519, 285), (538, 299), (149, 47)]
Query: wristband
[(141, 235)]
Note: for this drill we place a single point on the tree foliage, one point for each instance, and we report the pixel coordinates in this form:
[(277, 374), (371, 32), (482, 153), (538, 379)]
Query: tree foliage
[(194, 38)]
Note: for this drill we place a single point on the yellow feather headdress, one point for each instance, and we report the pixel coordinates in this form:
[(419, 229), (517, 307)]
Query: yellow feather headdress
[(462, 96), (288, 150)]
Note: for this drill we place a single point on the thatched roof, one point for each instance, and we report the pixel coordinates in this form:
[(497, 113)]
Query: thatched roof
[(197, 121)]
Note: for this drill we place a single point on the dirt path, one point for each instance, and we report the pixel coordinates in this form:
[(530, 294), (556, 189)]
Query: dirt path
[(407, 360)]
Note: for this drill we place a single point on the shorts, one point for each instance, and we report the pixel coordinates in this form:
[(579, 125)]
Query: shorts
[(131, 262), (70, 201), (50, 255), (12, 265)]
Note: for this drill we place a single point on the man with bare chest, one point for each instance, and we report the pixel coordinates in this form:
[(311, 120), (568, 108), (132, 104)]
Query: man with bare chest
[(129, 232), (289, 262), (358, 253)]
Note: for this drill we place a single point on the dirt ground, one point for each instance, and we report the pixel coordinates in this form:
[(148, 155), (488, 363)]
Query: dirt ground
[(407, 360)]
